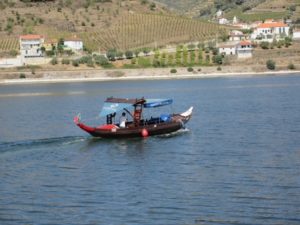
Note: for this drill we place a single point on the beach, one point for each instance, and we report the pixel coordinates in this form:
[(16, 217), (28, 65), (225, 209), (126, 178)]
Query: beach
[(89, 75)]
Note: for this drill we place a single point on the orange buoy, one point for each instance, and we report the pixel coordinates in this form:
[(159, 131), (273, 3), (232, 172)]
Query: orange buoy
[(145, 133)]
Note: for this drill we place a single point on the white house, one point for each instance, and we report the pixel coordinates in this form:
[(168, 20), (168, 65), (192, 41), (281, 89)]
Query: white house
[(223, 20), (228, 48), (269, 31), (236, 35), (219, 13), (30, 45), (244, 49), (296, 34), (74, 43)]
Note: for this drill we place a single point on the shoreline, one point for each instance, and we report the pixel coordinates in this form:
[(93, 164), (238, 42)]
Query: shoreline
[(133, 74)]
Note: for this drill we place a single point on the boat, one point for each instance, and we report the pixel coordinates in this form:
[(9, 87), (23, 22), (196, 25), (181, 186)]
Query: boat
[(136, 125)]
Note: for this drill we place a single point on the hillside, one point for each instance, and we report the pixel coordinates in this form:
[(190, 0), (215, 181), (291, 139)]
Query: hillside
[(102, 24), (245, 10)]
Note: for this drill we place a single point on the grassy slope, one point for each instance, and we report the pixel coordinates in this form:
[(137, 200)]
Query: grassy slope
[(122, 24)]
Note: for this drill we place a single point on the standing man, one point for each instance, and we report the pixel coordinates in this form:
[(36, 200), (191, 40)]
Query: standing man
[(123, 120)]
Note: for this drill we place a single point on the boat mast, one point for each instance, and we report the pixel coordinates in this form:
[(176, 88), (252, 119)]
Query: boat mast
[(138, 109)]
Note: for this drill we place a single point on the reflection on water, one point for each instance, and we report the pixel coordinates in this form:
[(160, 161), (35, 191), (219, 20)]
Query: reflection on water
[(237, 161)]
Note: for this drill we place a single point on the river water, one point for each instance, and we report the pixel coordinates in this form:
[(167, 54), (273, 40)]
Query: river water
[(237, 161)]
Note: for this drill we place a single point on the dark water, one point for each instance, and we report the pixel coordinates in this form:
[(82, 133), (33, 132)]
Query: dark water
[(238, 161)]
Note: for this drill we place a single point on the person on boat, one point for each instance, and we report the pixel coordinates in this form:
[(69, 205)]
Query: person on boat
[(123, 120), (110, 117)]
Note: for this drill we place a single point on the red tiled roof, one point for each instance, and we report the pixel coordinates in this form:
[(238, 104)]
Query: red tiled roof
[(271, 25), (31, 37), (245, 43), (73, 39), (226, 45)]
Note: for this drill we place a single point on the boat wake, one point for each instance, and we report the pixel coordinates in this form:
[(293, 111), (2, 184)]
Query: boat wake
[(7, 146), (176, 133)]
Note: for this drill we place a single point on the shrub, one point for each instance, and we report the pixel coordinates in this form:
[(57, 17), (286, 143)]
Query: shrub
[(50, 53), (137, 52), (101, 60), (90, 63), (190, 69), (22, 76), (219, 68), (129, 54), (65, 61), (85, 59), (120, 55), (191, 47), (271, 65), (111, 54), (75, 63), (133, 61), (156, 63), (264, 45), (215, 51), (146, 51), (13, 53), (32, 68), (173, 71), (291, 66), (144, 62), (152, 6), (199, 69), (54, 61)]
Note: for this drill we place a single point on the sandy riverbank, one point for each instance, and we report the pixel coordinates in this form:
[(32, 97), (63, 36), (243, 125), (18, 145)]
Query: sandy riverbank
[(89, 75)]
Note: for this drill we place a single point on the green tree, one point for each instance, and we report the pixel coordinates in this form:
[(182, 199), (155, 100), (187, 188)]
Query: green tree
[(207, 58), (192, 57), (218, 59), (185, 56), (170, 60), (200, 56), (156, 54), (152, 6)]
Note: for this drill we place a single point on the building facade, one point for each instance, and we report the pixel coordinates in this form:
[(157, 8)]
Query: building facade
[(74, 43), (236, 35), (227, 48), (244, 50), (30, 45), (269, 31)]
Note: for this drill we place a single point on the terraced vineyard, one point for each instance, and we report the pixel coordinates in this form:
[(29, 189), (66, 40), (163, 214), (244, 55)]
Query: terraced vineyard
[(149, 30), (9, 43)]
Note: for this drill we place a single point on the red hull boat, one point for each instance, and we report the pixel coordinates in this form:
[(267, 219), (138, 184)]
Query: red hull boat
[(137, 127)]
